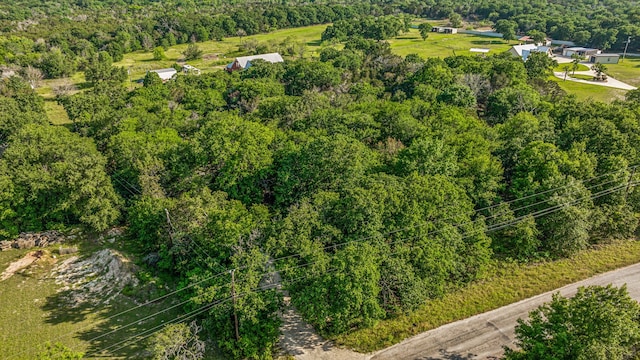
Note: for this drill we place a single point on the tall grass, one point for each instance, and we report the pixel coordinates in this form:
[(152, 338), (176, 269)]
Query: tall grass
[(503, 283)]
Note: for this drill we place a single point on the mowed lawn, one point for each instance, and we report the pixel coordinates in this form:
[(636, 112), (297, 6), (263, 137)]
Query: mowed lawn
[(590, 92), (444, 45), (627, 71)]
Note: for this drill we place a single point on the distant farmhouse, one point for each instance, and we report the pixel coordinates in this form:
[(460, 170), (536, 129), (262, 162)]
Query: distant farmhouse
[(444, 30), (165, 74), (245, 61), (523, 51), (579, 51), (529, 40), (604, 59)]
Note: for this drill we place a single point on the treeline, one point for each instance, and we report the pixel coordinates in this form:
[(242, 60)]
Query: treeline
[(604, 25), (369, 181), (377, 28), (59, 40), (59, 47)]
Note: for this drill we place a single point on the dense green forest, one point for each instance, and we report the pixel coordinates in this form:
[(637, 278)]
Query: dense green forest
[(367, 181)]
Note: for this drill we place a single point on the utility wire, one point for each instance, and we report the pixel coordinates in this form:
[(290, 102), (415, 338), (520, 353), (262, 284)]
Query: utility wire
[(508, 223), (495, 227)]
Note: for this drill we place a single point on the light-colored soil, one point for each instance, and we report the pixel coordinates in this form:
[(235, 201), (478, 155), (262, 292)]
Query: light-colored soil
[(299, 339), (18, 265), (96, 279)]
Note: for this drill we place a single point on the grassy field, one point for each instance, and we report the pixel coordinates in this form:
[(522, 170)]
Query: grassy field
[(588, 91), (627, 71), (560, 67), (32, 312), (216, 54), (443, 45), (503, 284)]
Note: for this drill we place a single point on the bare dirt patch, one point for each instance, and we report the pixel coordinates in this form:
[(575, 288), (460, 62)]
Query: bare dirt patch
[(18, 265), (96, 279)]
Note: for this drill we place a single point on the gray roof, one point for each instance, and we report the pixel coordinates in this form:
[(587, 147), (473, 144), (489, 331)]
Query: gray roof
[(606, 55), (163, 71), (272, 58)]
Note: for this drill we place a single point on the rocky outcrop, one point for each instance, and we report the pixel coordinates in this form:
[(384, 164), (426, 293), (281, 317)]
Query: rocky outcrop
[(31, 240)]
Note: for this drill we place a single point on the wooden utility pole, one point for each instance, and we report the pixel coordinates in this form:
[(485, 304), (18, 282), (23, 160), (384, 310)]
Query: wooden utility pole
[(626, 192), (233, 295), (625, 48)]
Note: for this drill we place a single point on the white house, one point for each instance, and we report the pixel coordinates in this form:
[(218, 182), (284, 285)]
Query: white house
[(444, 30), (244, 62), (523, 51), (165, 74)]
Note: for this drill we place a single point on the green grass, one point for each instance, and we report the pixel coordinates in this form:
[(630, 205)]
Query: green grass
[(503, 284), (627, 71), (590, 92), (31, 313), (560, 68), (56, 113), (582, 77), (216, 54), (444, 45)]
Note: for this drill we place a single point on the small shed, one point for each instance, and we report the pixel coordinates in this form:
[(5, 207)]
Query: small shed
[(165, 74), (604, 59), (244, 62), (444, 30), (188, 69), (580, 51), (479, 51)]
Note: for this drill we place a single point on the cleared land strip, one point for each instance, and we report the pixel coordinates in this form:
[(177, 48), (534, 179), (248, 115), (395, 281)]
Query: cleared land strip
[(482, 336)]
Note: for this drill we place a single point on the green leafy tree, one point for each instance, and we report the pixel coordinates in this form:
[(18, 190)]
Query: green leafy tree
[(158, 53), (575, 62), (455, 20), (56, 178), (56, 64), (599, 323), (599, 68), (425, 29), (539, 65), (178, 342), (507, 28), (304, 75), (233, 152), (192, 52), (100, 69), (537, 36)]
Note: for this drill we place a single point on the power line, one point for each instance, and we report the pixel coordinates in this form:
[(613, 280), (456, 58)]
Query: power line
[(379, 235), (496, 227)]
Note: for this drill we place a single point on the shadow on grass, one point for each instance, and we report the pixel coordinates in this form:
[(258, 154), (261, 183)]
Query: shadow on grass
[(119, 329), (487, 42), (117, 324), (314, 42)]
